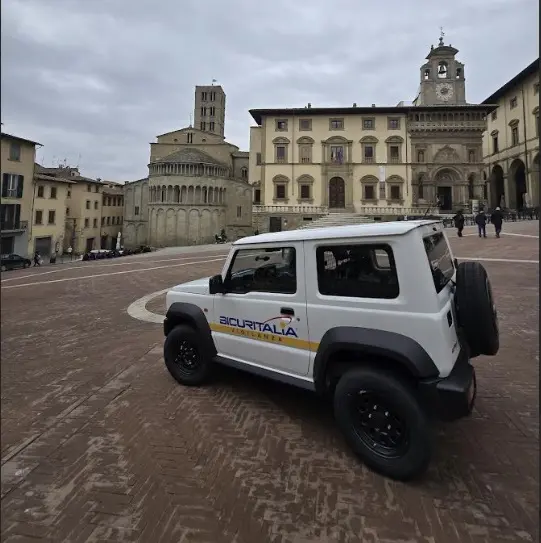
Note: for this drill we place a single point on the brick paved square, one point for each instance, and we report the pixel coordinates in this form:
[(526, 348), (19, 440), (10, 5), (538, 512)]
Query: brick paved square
[(100, 444)]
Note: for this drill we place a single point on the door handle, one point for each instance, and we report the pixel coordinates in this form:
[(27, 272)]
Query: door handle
[(287, 311)]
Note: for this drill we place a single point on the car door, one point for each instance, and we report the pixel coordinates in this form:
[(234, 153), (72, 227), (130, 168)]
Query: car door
[(262, 319)]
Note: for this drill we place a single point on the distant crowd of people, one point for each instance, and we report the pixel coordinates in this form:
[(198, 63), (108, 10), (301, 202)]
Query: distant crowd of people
[(496, 218)]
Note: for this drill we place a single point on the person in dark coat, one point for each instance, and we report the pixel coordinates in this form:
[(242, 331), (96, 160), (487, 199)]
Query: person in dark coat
[(497, 219), (459, 222), (481, 221)]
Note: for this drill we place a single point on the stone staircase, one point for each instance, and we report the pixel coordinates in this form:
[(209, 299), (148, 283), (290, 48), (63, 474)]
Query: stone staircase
[(336, 219)]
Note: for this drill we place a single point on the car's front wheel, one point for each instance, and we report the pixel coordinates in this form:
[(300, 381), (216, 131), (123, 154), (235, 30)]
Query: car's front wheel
[(185, 356), (3, 268), (383, 423)]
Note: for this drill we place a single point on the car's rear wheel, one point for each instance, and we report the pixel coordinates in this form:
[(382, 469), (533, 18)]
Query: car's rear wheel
[(185, 357), (3, 268), (383, 423), (476, 311)]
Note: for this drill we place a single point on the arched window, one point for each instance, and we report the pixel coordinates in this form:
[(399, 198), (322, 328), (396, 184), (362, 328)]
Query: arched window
[(244, 173), (420, 156)]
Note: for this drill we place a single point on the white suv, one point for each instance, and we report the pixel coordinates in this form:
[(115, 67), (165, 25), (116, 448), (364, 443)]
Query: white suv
[(378, 316)]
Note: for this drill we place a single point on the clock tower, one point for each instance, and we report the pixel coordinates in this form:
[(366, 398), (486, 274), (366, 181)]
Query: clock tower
[(442, 78)]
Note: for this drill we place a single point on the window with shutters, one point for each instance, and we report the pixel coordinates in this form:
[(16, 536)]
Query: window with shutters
[(12, 186), (10, 215)]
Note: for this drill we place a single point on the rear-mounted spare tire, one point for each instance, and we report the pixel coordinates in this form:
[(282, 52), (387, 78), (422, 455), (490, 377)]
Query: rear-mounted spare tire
[(476, 310)]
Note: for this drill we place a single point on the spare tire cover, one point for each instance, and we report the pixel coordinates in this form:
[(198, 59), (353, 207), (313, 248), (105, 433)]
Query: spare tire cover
[(476, 310)]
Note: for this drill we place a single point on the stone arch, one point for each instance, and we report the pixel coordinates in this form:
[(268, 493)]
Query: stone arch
[(224, 196), (280, 179), (517, 184), (207, 234), (163, 195), (170, 227), (193, 226), (305, 178), (205, 195), (182, 234), (160, 226), (306, 140), (497, 187), (170, 193), (216, 221), (394, 179), (534, 186), (281, 140), (244, 172), (183, 194), (176, 194), (447, 191), (190, 194), (197, 195), (369, 139), (336, 139), (394, 139)]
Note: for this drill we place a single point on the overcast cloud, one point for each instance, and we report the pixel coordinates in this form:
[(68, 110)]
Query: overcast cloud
[(95, 81)]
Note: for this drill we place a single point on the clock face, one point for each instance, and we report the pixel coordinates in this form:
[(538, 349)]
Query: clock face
[(444, 91)]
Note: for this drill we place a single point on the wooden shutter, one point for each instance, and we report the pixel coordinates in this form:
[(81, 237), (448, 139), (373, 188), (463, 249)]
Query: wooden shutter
[(20, 185), (5, 180)]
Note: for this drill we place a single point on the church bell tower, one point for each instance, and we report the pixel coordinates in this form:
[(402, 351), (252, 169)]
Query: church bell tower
[(442, 78)]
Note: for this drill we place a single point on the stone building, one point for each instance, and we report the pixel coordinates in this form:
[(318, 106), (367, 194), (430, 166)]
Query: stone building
[(375, 161), (135, 231), (197, 183), (511, 142)]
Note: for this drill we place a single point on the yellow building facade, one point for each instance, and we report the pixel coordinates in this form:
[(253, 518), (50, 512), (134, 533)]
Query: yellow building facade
[(112, 215), (18, 156), (375, 161), (511, 142), (49, 198)]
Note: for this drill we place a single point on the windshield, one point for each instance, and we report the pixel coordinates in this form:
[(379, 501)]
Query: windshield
[(440, 260)]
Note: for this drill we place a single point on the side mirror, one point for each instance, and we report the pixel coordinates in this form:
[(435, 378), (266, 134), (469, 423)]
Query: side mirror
[(216, 285)]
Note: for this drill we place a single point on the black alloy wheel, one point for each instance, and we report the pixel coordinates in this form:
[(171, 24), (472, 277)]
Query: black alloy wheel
[(377, 424), (187, 359)]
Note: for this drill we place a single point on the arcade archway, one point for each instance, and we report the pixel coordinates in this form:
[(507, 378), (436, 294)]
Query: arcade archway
[(497, 187), (517, 184)]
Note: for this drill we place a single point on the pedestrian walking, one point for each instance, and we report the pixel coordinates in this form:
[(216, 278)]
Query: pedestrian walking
[(496, 218), (481, 221), (37, 259), (459, 222)]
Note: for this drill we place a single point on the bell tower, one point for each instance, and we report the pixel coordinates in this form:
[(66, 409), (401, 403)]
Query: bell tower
[(442, 78)]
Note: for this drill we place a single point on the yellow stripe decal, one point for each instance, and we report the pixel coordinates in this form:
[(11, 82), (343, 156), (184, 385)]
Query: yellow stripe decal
[(267, 337)]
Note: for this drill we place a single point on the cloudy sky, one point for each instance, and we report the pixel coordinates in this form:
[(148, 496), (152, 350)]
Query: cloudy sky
[(95, 81)]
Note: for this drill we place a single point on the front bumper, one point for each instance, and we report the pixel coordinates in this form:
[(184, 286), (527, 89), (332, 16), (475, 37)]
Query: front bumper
[(452, 397)]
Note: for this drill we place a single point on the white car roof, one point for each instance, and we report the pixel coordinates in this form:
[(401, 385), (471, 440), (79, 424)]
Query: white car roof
[(392, 228)]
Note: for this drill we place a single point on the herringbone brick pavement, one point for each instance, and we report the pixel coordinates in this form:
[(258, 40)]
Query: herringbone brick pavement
[(100, 444)]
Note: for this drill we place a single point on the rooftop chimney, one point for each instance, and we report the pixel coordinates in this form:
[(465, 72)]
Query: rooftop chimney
[(354, 104), (309, 105), (373, 105)]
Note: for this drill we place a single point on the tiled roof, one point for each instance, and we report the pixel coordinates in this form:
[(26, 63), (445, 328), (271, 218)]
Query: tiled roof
[(190, 156)]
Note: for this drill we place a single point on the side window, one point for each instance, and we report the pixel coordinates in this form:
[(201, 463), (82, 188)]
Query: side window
[(357, 271), (263, 270), (440, 260)]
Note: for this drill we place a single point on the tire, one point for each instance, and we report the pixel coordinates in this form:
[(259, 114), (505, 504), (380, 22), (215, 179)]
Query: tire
[(410, 457), (3, 268), (476, 311), (192, 369)]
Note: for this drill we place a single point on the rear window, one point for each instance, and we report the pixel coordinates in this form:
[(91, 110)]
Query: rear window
[(440, 260)]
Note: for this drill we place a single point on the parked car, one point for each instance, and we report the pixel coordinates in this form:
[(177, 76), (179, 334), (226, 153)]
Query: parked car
[(378, 317), (12, 261)]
